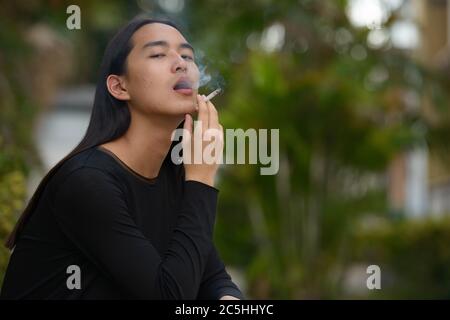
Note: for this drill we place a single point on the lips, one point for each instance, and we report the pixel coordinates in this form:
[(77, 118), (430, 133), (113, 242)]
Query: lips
[(183, 86)]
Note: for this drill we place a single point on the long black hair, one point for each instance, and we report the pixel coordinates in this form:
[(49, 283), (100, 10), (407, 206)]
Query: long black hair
[(110, 117)]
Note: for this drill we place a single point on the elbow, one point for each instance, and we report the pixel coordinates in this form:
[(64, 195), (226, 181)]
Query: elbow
[(170, 288)]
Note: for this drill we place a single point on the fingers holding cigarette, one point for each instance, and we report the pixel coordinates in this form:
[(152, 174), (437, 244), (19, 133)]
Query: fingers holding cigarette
[(213, 115), (203, 113), (215, 131)]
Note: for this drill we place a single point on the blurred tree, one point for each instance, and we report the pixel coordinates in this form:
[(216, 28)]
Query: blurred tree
[(413, 256), (340, 105), (36, 57)]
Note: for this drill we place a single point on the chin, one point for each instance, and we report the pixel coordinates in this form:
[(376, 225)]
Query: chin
[(185, 108)]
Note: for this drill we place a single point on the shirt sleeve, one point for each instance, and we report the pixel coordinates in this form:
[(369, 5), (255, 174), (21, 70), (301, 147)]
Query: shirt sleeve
[(216, 281), (91, 209)]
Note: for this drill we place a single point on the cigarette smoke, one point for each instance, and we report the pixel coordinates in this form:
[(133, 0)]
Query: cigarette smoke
[(210, 77)]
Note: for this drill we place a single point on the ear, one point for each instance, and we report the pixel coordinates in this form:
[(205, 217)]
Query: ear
[(117, 87)]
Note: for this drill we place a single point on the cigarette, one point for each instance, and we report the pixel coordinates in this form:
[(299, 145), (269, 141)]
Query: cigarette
[(213, 94)]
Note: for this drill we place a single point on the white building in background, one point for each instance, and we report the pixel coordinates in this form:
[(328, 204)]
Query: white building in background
[(418, 183), (59, 129), (427, 179), (433, 19), (416, 193)]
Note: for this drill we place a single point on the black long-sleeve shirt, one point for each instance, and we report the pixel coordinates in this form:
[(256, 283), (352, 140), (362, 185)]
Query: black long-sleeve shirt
[(131, 237)]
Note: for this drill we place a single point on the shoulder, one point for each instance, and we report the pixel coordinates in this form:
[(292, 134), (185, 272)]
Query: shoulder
[(85, 170), (85, 189)]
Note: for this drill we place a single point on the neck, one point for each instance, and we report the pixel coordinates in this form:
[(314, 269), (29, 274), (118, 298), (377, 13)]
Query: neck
[(145, 144)]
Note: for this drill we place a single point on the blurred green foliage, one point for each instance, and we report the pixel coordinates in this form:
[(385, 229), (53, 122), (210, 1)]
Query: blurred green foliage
[(414, 256), (342, 119), (17, 112)]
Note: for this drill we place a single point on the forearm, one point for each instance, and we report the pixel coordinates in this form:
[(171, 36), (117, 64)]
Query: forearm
[(217, 283)]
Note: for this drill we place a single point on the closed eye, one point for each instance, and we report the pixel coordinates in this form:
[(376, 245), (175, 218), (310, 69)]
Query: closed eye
[(157, 55), (162, 55), (187, 57)]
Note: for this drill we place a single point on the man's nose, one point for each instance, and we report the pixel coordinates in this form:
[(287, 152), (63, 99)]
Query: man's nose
[(180, 64)]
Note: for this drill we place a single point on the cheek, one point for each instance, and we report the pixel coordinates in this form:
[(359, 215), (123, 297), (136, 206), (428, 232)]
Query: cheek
[(144, 84), (148, 90), (144, 78)]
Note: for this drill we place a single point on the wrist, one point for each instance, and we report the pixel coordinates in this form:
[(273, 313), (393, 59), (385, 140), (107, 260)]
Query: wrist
[(206, 180)]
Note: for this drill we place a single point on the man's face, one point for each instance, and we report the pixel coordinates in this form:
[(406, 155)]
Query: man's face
[(153, 70)]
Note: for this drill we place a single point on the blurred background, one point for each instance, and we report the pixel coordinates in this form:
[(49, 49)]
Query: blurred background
[(359, 90)]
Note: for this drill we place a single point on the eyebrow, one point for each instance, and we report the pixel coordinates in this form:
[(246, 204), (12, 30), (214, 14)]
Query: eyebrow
[(166, 44)]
